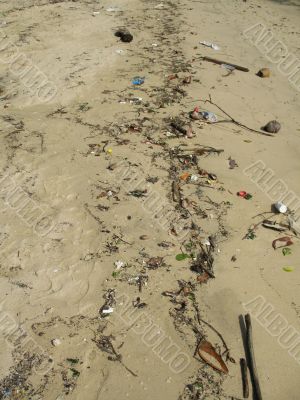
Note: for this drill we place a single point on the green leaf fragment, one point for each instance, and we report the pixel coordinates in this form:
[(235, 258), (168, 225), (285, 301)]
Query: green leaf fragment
[(286, 251), (288, 269), (182, 256)]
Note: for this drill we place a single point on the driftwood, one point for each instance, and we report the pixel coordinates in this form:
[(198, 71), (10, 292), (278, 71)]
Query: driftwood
[(244, 372), (234, 121), (252, 363), (219, 62)]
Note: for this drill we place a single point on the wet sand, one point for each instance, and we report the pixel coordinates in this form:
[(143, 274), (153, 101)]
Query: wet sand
[(88, 163)]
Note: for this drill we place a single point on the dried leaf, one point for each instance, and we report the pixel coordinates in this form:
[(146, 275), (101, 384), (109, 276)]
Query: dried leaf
[(185, 176), (208, 354), (287, 241), (203, 278)]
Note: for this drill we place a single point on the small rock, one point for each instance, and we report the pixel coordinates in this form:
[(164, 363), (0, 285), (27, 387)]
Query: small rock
[(272, 127), (264, 73), (56, 342)]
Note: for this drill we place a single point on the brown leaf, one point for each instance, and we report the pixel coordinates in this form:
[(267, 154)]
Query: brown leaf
[(208, 354), (203, 278), (287, 241)]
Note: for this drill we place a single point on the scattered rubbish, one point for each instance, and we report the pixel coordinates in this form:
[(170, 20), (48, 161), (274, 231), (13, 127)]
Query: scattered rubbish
[(55, 342), (229, 68), (272, 127), (187, 80), (250, 234), (244, 195), (124, 35), (244, 372), (182, 256), (165, 245), (110, 301), (120, 51), (138, 193), (108, 310), (155, 262), (185, 176), (213, 60), (138, 304), (282, 242), (195, 114), (96, 13), (159, 6), (194, 178), (208, 354), (178, 128), (273, 225), (251, 357), (232, 163), (113, 9), (203, 278), (280, 207), (119, 264), (264, 73), (211, 45), (209, 116), (234, 121), (137, 80), (288, 269), (286, 251)]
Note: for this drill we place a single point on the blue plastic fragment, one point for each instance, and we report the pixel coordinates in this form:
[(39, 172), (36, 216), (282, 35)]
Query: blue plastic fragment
[(137, 80)]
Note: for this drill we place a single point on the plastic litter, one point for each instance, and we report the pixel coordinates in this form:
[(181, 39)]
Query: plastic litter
[(137, 80), (209, 116), (211, 45), (280, 207), (244, 195)]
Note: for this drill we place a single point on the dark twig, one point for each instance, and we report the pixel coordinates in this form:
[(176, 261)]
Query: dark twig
[(234, 121), (252, 363), (244, 372)]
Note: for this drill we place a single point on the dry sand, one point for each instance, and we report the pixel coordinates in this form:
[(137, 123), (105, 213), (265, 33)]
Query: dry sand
[(72, 152)]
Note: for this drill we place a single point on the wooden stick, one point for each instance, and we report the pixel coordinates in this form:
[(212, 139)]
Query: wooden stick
[(244, 372), (213, 60), (252, 366)]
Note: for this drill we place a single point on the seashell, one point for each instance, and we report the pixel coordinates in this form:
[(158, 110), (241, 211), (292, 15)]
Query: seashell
[(189, 133), (272, 127), (195, 114), (144, 237), (264, 73)]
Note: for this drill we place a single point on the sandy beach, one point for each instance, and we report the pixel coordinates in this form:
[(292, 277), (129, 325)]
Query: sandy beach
[(124, 247)]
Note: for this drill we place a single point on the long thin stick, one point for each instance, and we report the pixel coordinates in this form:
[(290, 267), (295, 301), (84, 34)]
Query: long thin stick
[(244, 372), (215, 61), (253, 369), (234, 121)]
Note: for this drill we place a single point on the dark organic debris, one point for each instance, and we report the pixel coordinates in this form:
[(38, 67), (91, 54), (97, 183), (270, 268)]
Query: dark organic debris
[(124, 35)]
